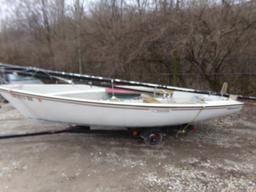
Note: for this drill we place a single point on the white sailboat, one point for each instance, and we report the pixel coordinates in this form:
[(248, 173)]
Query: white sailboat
[(100, 106)]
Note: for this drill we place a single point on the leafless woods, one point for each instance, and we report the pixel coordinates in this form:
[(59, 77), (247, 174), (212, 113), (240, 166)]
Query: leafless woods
[(195, 43)]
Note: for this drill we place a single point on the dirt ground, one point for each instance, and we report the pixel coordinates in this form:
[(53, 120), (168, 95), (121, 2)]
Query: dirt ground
[(220, 155)]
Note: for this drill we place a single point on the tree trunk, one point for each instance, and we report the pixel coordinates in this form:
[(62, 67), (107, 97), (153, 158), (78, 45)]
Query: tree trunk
[(78, 35)]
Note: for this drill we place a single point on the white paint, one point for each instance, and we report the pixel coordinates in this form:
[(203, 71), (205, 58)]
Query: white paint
[(47, 102)]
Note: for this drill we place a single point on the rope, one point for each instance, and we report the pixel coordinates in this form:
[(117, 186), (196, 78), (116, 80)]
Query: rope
[(51, 132), (188, 124)]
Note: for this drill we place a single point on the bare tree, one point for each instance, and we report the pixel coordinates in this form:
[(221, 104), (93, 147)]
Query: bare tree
[(78, 19), (189, 43)]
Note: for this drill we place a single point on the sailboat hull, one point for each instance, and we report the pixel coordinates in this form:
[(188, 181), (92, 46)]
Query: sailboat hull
[(88, 112)]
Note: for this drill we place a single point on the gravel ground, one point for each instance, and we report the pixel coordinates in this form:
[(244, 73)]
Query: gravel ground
[(220, 155)]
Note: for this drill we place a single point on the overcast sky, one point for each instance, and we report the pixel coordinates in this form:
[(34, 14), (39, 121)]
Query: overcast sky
[(4, 7)]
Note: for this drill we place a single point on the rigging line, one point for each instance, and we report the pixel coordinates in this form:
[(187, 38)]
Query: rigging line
[(188, 124)]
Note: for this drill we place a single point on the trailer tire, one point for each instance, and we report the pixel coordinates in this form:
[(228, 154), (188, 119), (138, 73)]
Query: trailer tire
[(152, 137)]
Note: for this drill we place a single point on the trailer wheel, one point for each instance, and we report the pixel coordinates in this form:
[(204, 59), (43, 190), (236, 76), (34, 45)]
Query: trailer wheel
[(153, 137)]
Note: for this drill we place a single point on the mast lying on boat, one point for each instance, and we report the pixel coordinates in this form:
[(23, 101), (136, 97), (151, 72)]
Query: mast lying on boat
[(103, 81)]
